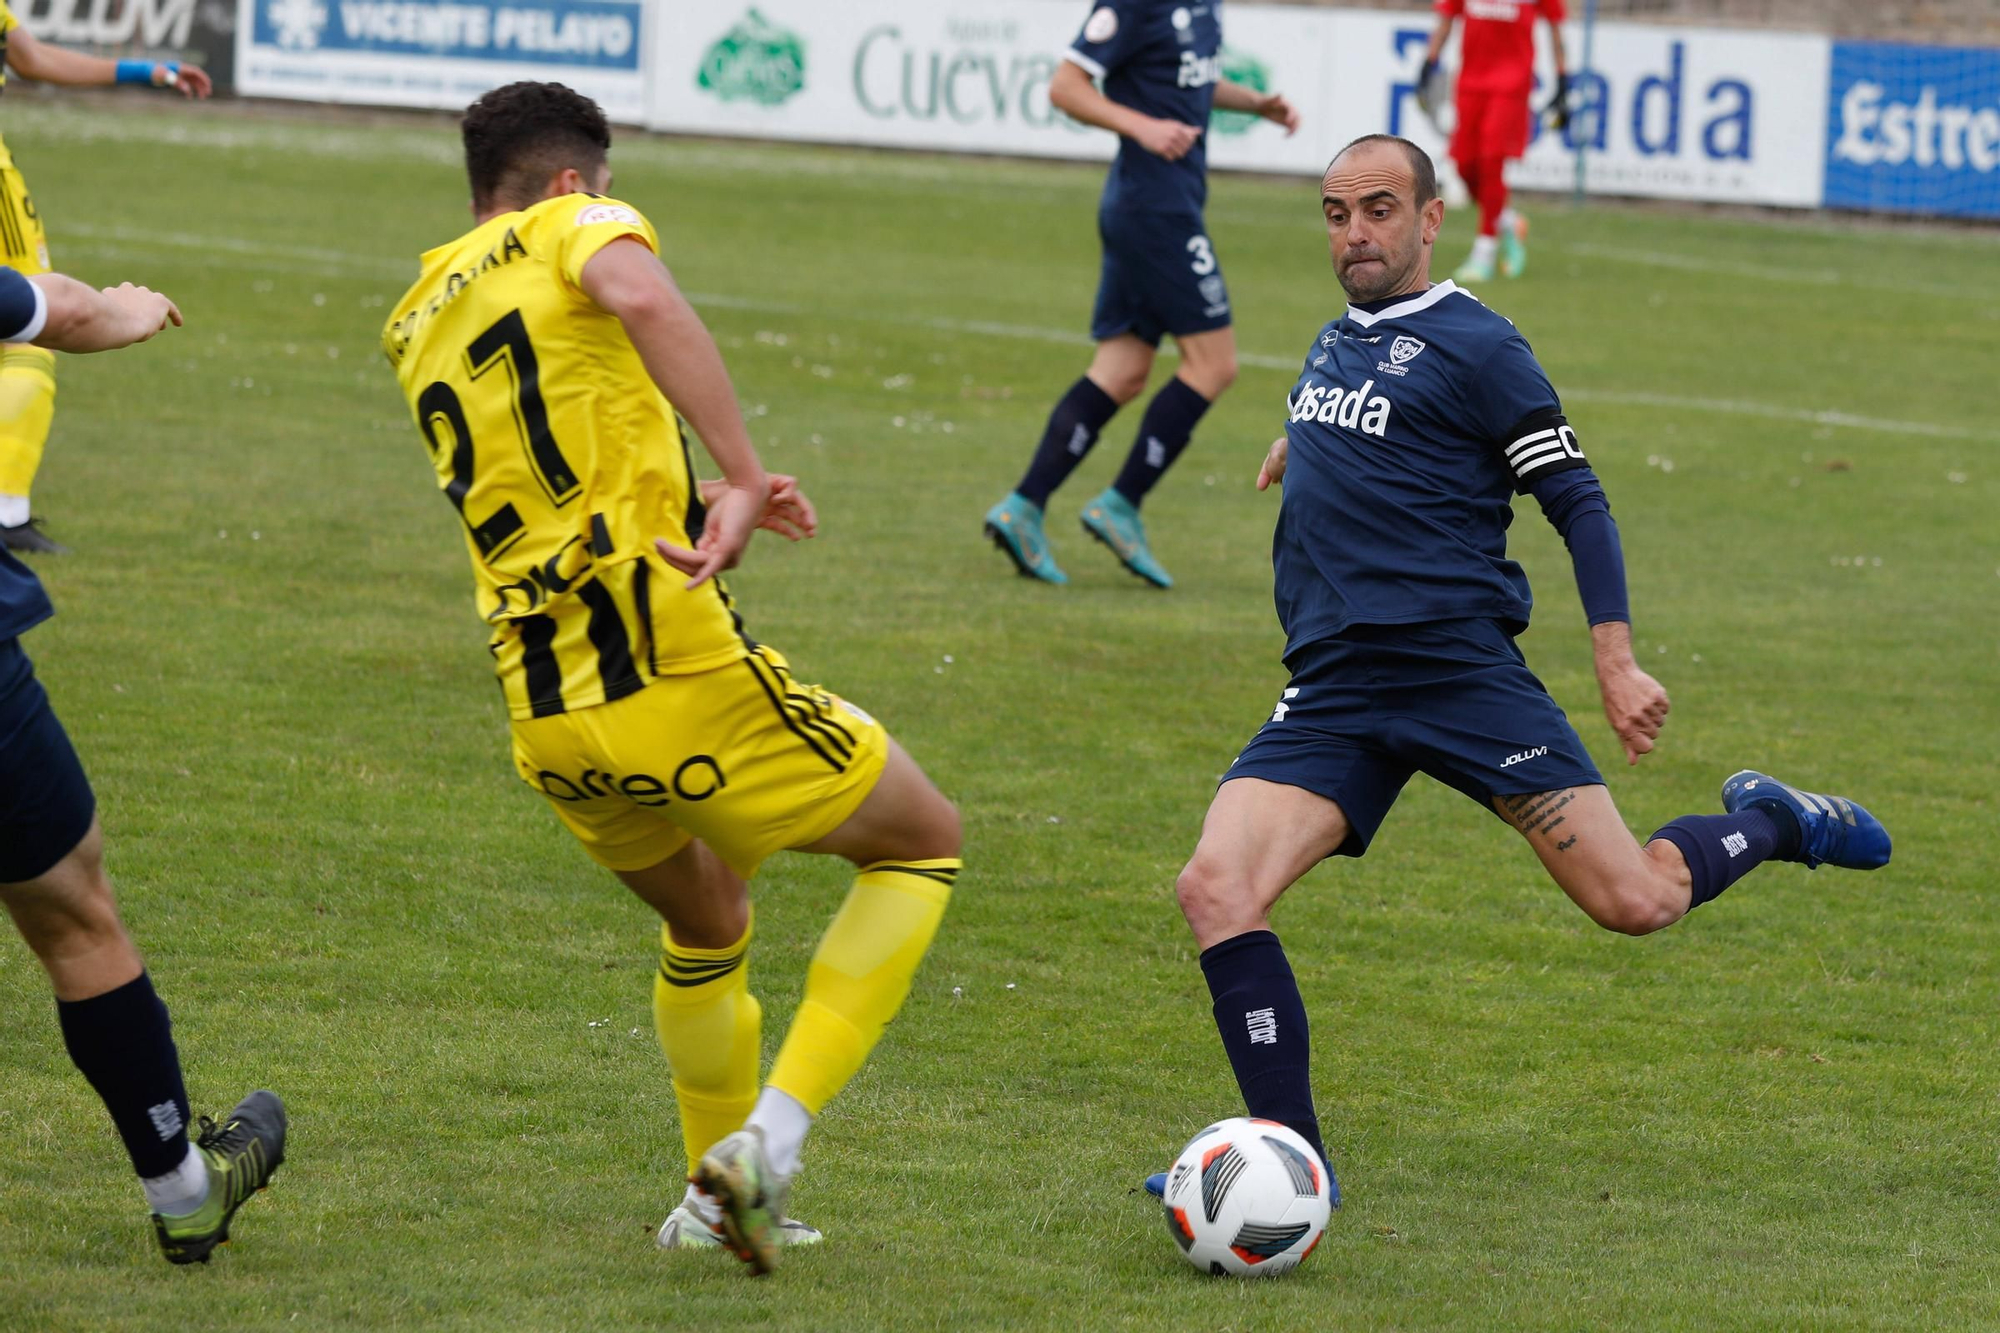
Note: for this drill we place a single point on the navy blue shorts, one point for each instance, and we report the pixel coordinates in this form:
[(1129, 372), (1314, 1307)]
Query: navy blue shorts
[(46, 804), (1454, 699), (1160, 276)]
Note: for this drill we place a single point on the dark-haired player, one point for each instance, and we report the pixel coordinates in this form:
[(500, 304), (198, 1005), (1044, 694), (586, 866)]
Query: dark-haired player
[(1418, 415), (52, 876), (545, 354), (1495, 79), (28, 374), (1160, 61)]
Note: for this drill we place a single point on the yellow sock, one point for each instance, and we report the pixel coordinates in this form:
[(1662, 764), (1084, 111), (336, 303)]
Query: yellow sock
[(711, 1028), (27, 406), (860, 974)]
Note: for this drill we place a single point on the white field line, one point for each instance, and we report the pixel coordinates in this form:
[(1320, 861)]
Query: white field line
[(1797, 277), (316, 260)]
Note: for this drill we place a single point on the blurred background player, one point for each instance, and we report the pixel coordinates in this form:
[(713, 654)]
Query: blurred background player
[(1162, 72), (1418, 415), (52, 869), (545, 354), (1496, 79), (28, 374)]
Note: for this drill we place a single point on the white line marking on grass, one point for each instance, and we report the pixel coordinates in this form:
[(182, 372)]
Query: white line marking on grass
[(1773, 412), (316, 259), (1798, 277)]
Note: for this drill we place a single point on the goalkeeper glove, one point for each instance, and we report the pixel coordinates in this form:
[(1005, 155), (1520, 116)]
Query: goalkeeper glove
[(1558, 108)]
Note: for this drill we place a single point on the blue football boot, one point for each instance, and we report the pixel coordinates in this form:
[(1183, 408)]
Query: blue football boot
[(1112, 520), (1156, 1184), (1015, 525), (1832, 829)]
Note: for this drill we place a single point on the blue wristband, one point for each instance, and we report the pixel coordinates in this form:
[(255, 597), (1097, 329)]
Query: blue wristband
[(141, 71)]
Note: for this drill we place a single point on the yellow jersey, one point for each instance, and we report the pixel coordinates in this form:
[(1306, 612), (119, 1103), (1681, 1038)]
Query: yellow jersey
[(7, 25), (561, 456)]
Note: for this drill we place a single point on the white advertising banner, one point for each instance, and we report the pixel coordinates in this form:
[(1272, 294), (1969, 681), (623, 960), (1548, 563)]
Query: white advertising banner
[(1668, 112), (441, 53), (1679, 113), (951, 75)]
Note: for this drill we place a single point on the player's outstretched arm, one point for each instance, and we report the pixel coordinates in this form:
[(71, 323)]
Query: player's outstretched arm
[(1271, 106), (82, 319), (1072, 93), (628, 281), (1439, 36), (34, 59)]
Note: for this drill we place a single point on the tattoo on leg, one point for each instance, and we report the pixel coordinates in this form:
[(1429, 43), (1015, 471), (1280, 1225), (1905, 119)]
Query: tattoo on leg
[(1540, 812)]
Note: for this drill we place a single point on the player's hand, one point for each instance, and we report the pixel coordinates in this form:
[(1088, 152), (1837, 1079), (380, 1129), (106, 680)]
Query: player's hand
[(1170, 139), (1280, 112), (139, 312), (1636, 706), (732, 517), (1273, 469), (189, 80), (788, 513)]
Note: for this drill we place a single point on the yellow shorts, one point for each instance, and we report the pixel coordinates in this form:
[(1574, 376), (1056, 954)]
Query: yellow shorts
[(22, 244), (742, 757)]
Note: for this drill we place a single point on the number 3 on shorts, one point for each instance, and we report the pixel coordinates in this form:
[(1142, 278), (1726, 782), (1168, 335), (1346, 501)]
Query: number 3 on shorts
[(1204, 257)]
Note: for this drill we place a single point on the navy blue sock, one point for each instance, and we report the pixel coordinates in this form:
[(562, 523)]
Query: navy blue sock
[(1164, 433), (1072, 430), (1721, 849), (123, 1042), (1263, 1025)]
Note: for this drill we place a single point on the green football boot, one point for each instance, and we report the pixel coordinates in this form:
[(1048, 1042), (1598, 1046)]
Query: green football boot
[(1112, 520), (1514, 248), (736, 1175), (241, 1153), (1015, 525)]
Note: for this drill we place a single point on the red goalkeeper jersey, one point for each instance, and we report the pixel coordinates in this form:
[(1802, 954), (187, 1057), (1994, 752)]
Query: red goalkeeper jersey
[(1499, 49)]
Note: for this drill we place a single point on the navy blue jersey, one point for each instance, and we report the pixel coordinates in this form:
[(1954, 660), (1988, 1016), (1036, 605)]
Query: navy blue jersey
[(23, 310), (1410, 430), (1162, 58)]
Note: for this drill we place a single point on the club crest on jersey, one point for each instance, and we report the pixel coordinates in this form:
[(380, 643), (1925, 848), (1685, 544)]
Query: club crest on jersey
[(606, 213), (1352, 409), (1401, 353)]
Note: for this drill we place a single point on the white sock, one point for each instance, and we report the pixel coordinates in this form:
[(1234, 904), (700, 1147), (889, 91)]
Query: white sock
[(181, 1190), (702, 1206), (1509, 219), (784, 1122), (1484, 248), (13, 510)]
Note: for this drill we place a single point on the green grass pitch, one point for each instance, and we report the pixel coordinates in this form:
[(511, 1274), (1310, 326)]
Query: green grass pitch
[(1782, 1113)]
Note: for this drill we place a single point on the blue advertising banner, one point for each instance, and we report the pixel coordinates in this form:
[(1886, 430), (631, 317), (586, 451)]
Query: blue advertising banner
[(441, 53), (599, 33), (1914, 129)]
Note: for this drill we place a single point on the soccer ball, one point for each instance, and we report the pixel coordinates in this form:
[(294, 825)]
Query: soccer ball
[(1247, 1197)]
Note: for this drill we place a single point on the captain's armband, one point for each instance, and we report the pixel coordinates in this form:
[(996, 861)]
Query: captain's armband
[(1541, 444)]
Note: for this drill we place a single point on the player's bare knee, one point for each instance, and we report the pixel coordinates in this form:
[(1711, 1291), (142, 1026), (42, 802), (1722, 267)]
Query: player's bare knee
[(1121, 384), (1217, 376), (1210, 898)]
